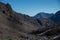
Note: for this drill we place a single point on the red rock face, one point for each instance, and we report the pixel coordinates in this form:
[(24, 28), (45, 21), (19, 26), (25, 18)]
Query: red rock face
[(8, 7)]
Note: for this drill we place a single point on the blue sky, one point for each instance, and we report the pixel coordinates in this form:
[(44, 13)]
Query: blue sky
[(32, 7)]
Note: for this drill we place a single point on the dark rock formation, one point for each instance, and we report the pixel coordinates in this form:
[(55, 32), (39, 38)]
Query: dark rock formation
[(56, 17)]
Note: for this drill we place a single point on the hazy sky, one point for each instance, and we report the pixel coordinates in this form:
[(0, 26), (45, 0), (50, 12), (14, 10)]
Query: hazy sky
[(32, 7)]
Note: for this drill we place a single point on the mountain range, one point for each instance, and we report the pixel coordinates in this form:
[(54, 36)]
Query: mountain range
[(54, 17), (17, 26)]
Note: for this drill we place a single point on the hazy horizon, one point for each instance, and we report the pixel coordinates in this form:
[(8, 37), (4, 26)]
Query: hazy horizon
[(32, 7)]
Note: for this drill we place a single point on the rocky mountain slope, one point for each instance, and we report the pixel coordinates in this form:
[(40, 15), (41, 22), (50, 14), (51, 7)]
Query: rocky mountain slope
[(16, 26)]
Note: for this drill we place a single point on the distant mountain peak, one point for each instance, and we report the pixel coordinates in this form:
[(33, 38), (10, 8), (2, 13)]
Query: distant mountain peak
[(43, 15)]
